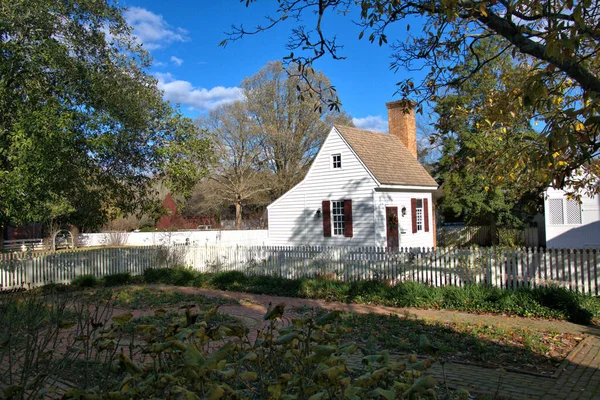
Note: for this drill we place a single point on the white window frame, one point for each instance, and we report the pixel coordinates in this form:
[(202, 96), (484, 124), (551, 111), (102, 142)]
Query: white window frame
[(564, 203), (334, 162), (338, 220), (419, 215)]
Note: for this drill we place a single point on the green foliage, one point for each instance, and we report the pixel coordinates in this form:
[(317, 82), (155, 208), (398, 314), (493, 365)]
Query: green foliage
[(119, 279), (86, 281), (307, 359), (85, 130), (470, 143)]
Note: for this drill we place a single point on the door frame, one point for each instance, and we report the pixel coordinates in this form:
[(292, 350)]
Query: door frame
[(389, 210)]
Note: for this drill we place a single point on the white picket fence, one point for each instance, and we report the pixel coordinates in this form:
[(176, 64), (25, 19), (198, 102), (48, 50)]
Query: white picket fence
[(500, 267), (33, 269)]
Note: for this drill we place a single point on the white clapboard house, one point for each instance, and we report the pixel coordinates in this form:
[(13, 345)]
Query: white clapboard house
[(364, 188)]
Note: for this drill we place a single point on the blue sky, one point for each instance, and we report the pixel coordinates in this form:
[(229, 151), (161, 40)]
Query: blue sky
[(183, 38)]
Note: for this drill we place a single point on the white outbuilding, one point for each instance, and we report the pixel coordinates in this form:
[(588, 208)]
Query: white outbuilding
[(364, 188), (571, 223)]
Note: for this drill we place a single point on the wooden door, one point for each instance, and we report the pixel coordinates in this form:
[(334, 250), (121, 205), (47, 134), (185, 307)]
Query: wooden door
[(391, 218)]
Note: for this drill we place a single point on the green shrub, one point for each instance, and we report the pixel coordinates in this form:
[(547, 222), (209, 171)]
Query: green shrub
[(229, 280), (307, 359), (119, 279), (86, 281), (157, 275)]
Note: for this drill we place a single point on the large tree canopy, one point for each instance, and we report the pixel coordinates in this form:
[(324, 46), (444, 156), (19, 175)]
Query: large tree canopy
[(470, 143), (83, 128), (558, 41)]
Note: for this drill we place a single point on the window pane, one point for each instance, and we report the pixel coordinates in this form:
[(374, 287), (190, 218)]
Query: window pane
[(555, 210), (337, 160), (338, 217), (573, 210), (419, 214)]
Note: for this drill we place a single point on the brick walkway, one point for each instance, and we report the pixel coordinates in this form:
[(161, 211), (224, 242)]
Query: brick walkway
[(577, 378)]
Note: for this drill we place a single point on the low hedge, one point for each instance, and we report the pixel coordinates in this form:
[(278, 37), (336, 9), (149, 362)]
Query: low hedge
[(548, 302)]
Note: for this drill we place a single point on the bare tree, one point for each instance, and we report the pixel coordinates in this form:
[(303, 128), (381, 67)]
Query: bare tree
[(293, 123), (238, 176)]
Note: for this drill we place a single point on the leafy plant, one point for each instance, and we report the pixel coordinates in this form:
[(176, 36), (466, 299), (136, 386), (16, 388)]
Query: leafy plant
[(117, 279), (86, 281), (305, 360)]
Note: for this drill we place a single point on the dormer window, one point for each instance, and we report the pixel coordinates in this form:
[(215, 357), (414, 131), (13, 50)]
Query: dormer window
[(336, 161)]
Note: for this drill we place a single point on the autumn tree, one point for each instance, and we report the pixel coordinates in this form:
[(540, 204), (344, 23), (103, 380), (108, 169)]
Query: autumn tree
[(475, 135), (83, 128), (557, 42)]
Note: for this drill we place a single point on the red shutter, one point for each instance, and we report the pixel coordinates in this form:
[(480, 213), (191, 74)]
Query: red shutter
[(426, 215), (326, 206), (413, 214), (348, 218)]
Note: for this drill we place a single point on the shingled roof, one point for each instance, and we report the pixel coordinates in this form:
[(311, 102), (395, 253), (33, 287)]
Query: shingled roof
[(386, 157)]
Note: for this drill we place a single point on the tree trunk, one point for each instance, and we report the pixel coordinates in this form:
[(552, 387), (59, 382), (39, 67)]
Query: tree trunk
[(1, 238), (238, 215)]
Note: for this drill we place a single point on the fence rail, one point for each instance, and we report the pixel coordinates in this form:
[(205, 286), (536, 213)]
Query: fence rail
[(500, 267), (33, 269), (24, 245)]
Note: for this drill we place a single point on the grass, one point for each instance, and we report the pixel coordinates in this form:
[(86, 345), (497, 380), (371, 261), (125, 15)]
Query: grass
[(542, 302)]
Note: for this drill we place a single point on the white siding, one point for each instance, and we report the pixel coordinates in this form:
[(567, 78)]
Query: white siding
[(292, 219), (401, 199), (584, 235)]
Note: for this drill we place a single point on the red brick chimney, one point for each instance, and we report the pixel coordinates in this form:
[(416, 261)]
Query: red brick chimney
[(402, 123)]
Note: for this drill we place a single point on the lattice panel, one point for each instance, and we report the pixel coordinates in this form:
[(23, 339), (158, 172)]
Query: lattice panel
[(573, 210), (555, 208)]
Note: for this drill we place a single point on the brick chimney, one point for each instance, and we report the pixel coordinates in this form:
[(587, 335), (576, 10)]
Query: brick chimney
[(402, 123)]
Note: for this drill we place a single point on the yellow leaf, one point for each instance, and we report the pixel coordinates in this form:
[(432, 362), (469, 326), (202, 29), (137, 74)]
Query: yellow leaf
[(579, 126)]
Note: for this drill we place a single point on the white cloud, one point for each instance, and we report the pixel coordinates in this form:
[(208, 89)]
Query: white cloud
[(152, 30), (372, 123), (184, 93), (176, 60)]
